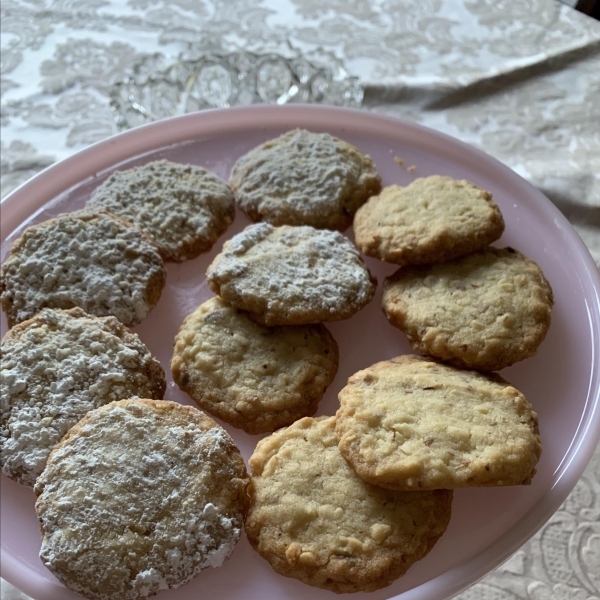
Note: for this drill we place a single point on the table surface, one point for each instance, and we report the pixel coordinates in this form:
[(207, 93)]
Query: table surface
[(521, 80)]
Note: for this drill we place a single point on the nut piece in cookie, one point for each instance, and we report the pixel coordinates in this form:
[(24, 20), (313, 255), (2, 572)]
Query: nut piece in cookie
[(483, 311), (140, 496), (57, 367), (312, 518), (253, 377), (182, 208), (304, 178), (432, 220), (291, 275), (413, 424), (97, 262)]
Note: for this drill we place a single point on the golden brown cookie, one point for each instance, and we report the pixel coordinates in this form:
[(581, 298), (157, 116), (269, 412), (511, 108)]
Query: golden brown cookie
[(57, 367), (182, 208), (434, 219), (304, 178), (291, 275), (312, 518), (253, 377), (483, 311), (95, 261), (140, 496), (411, 423)]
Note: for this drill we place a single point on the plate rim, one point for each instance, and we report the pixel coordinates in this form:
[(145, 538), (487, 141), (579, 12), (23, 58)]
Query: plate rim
[(72, 171)]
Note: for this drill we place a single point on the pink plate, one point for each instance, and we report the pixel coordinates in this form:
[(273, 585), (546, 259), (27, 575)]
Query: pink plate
[(562, 381)]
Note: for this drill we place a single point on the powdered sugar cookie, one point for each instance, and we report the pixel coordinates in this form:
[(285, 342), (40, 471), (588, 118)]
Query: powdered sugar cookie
[(182, 208), (97, 262), (140, 496), (291, 275), (304, 178), (57, 367)]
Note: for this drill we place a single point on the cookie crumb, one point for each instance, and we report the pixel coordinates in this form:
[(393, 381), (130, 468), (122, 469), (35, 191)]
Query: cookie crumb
[(398, 160), (411, 169)]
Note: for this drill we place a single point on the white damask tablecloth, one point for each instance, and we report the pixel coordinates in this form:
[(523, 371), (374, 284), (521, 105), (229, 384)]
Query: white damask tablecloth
[(520, 79)]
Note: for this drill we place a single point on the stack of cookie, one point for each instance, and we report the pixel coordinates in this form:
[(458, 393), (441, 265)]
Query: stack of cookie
[(134, 495), (108, 259), (348, 503), (314, 519), (258, 356), (58, 366), (413, 423), (456, 298), (71, 287)]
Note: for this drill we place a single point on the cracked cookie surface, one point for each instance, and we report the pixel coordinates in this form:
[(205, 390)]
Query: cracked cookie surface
[(413, 424), (312, 518)]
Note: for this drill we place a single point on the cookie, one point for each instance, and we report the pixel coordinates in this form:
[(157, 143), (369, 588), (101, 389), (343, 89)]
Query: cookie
[(140, 496), (312, 518), (97, 262), (291, 275), (57, 367), (432, 220), (182, 208), (484, 311), (304, 178), (411, 423), (253, 377)]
